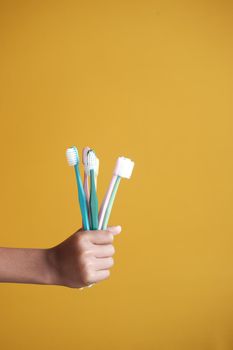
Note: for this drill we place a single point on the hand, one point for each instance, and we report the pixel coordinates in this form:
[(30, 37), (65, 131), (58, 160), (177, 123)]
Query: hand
[(84, 258)]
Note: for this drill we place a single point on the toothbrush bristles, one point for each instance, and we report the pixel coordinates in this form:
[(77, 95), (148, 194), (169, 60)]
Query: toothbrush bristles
[(91, 160), (72, 156)]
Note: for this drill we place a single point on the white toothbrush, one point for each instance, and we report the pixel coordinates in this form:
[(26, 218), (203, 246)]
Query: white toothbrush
[(123, 169)]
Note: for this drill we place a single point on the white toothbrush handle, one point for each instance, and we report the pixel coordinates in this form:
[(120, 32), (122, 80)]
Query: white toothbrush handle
[(105, 202)]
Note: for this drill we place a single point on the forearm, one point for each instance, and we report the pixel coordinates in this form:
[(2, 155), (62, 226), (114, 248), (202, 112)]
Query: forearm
[(20, 265)]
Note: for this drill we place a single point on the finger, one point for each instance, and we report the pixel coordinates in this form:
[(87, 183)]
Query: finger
[(103, 251), (101, 275), (115, 230), (100, 237), (103, 263)]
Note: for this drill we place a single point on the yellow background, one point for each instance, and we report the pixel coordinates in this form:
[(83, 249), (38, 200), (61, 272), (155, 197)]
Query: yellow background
[(151, 80)]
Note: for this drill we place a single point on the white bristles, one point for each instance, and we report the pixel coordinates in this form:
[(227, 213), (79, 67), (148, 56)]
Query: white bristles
[(87, 167), (124, 167), (72, 156), (91, 161)]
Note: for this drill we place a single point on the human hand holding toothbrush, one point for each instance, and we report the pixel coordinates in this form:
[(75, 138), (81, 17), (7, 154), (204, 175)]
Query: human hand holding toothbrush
[(91, 218), (86, 256), (82, 259)]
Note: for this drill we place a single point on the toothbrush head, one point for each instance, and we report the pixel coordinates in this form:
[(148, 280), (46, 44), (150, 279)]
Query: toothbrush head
[(92, 162), (72, 156), (124, 167), (84, 155)]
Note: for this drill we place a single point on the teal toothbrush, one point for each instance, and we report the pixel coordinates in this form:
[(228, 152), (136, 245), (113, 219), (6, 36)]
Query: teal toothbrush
[(92, 165), (73, 160)]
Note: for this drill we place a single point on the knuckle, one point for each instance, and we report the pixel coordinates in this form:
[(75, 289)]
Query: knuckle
[(81, 240), (87, 278), (89, 235), (85, 258)]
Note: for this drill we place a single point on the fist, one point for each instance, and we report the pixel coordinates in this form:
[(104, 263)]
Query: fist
[(84, 258)]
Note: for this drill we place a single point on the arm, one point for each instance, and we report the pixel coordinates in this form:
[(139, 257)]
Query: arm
[(82, 259)]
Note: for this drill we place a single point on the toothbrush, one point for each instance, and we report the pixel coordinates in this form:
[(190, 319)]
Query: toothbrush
[(123, 169), (92, 165), (110, 204), (73, 160), (106, 201), (86, 173), (85, 179)]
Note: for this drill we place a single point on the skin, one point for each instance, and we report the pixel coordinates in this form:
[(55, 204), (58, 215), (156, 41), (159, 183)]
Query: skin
[(81, 260)]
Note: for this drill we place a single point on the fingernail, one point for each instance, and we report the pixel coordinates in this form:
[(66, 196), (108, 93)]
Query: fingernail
[(114, 229)]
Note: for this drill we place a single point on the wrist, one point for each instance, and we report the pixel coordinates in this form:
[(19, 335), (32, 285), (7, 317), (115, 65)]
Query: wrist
[(52, 275)]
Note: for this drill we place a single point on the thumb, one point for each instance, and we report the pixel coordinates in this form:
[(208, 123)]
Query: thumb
[(115, 230)]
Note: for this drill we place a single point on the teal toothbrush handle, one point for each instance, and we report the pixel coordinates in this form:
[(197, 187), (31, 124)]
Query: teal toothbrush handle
[(82, 200), (93, 203), (111, 201)]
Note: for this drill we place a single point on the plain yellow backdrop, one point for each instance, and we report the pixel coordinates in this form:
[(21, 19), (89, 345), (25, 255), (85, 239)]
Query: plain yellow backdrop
[(151, 80)]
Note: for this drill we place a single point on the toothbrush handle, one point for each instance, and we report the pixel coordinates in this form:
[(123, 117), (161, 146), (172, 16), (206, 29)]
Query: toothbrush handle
[(93, 203), (96, 182), (87, 193), (86, 187), (110, 205), (106, 201), (82, 200)]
